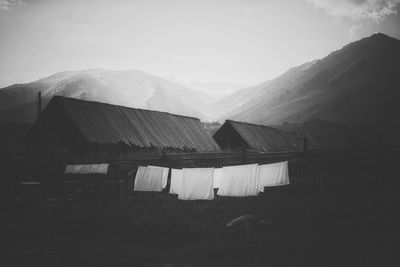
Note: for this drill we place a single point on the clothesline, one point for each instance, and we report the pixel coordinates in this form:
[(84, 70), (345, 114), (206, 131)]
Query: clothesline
[(199, 183)]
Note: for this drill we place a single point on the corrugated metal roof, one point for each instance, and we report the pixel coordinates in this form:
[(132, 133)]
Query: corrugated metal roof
[(111, 124), (263, 138), (11, 136)]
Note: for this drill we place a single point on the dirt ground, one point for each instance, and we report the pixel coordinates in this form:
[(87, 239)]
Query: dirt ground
[(163, 231)]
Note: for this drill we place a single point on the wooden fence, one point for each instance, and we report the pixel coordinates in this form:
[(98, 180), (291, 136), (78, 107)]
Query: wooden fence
[(320, 176)]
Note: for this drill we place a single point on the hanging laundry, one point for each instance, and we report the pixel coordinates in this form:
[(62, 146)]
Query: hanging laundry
[(140, 179), (87, 169), (273, 175), (239, 181), (151, 178), (102, 168), (218, 173), (176, 181), (93, 168), (84, 169), (165, 172), (77, 169), (69, 169), (197, 183)]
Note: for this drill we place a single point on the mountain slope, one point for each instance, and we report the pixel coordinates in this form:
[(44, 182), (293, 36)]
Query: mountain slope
[(129, 88), (217, 89), (356, 84)]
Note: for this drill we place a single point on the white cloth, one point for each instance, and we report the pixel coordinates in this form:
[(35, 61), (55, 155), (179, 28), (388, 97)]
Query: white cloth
[(140, 179), (151, 178), (77, 169), (176, 181), (197, 183), (218, 174), (165, 172), (103, 168), (87, 169), (239, 181), (273, 174), (69, 169)]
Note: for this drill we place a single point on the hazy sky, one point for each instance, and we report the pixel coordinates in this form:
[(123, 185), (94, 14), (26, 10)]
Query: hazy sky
[(238, 41)]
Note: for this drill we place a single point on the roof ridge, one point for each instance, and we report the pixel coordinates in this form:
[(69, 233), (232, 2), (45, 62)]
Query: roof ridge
[(253, 124), (103, 103)]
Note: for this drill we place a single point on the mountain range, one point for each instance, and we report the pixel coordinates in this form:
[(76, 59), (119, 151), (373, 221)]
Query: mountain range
[(132, 88), (356, 84)]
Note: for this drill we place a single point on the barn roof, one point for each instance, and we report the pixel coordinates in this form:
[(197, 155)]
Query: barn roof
[(112, 124), (263, 138), (11, 136)]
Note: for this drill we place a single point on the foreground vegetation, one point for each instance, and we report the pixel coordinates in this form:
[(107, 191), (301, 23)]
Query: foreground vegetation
[(339, 222)]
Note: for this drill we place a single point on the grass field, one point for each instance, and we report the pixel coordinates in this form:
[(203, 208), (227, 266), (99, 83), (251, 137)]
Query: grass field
[(338, 211)]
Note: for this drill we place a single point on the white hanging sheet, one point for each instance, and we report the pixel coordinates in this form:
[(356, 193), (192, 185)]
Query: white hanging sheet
[(87, 169), (102, 168), (84, 169), (197, 183), (151, 178), (239, 181), (273, 175), (165, 172), (69, 169), (218, 173), (176, 181)]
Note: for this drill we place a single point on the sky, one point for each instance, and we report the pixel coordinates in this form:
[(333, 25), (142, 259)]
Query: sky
[(238, 41)]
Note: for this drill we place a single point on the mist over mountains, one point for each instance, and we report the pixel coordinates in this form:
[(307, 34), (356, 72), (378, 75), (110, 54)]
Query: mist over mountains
[(356, 84), (216, 90)]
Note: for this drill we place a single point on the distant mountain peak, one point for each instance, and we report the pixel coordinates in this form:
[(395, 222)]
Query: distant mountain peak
[(380, 35), (376, 38)]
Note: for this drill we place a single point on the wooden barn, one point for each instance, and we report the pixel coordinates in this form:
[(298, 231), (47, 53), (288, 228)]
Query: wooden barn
[(234, 135), (86, 128)]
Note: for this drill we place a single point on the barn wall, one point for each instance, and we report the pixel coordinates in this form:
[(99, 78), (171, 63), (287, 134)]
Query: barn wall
[(228, 139)]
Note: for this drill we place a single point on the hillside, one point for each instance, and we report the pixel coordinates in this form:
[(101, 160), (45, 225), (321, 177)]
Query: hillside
[(217, 89), (356, 84), (131, 88)]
